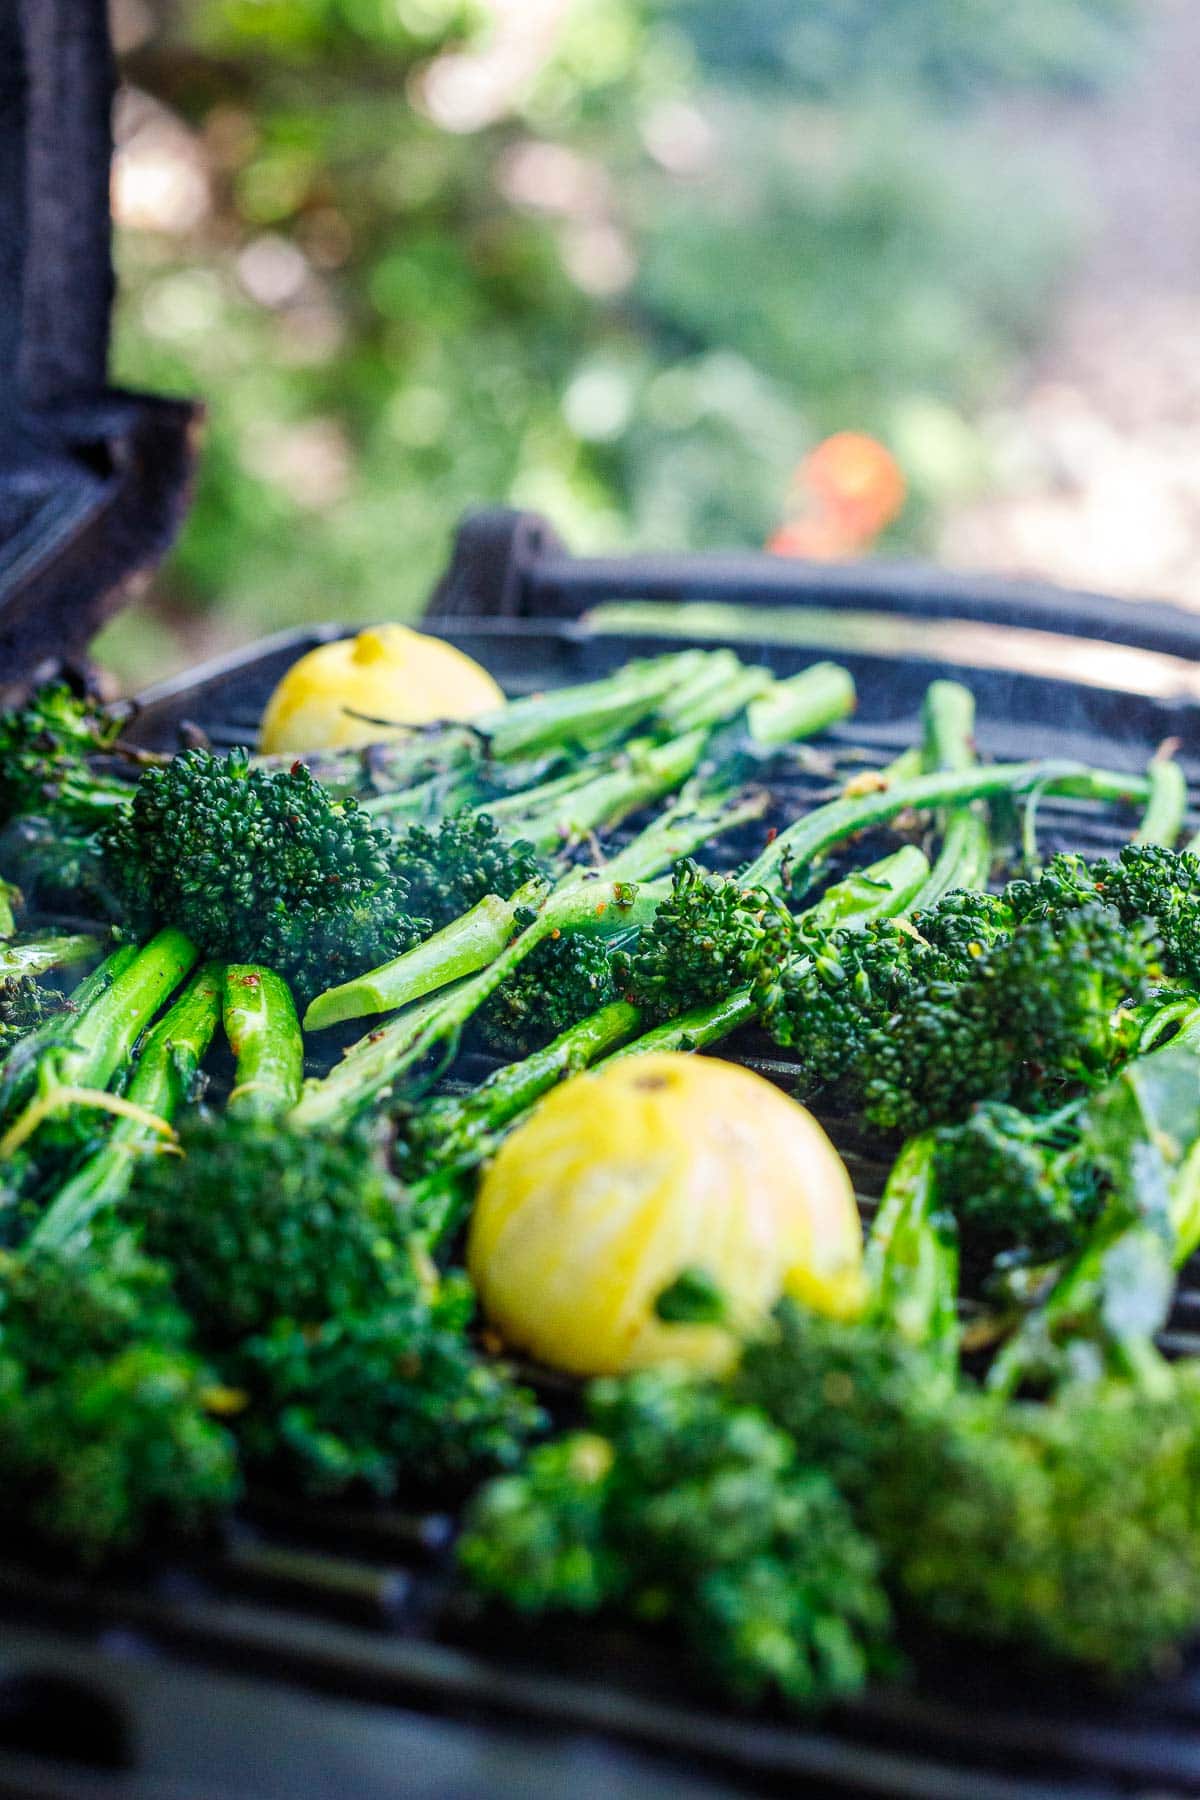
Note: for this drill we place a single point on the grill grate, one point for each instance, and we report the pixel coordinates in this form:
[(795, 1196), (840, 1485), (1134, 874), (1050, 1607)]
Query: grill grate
[(358, 1601)]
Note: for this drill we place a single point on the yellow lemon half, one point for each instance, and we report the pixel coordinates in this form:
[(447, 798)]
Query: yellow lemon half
[(328, 698), (622, 1180)]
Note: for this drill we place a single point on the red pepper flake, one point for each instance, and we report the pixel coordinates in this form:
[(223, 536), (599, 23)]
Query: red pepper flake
[(296, 767), (772, 834), (556, 933)]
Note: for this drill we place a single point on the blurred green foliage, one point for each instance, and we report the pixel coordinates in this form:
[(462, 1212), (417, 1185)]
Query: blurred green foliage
[(620, 260)]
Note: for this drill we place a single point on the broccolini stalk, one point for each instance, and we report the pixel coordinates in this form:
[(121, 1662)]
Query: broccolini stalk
[(583, 899), (808, 838), (1143, 1131), (644, 773), (966, 853), (459, 949), (801, 706), (40, 955), (912, 1260), (18, 1071), (163, 1079), (260, 1022), (1166, 805), (591, 714), (725, 689), (8, 898), (101, 1039)]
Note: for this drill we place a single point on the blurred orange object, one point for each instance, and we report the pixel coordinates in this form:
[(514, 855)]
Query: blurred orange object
[(849, 488)]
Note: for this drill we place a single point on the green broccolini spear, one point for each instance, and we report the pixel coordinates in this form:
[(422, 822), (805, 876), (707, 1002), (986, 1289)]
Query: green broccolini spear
[(163, 1078), (260, 1022)]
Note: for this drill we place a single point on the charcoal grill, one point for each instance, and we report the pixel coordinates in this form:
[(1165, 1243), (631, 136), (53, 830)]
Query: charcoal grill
[(326, 1649)]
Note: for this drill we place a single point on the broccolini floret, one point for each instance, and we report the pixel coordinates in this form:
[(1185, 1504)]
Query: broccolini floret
[(260, 868), (105, 1428), (1041, 1012), (396, 1399), (1071, 1529), (307, 1288), (1017, 1183), (25, 1003), (257, 1224), (683, 1507), (46, 751), (710, 936), (565, 979), (449, 869)]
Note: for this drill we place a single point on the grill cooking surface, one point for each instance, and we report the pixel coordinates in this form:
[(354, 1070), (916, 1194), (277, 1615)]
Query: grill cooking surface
[(359, 1601)]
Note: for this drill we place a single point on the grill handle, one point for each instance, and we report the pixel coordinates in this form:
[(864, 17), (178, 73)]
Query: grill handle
[(511, 565)]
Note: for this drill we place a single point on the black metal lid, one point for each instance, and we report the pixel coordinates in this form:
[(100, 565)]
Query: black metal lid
[(93, 480)]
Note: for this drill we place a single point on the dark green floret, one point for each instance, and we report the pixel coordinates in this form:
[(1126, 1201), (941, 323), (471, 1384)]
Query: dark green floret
[(685, 1509), (1070, 1529), (46, 751), (309, 1290), (1016, 1182), (396, 1399), (25, 1003), (260, 868), (105, 1430), (449, 868), (1041, 1012), (564, 980), (711, 936), (257, 1224)]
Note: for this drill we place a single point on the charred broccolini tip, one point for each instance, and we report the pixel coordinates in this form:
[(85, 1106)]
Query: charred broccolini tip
[(259, 868), (1021, 997), (710, 936), (25, 1004), (1017, 1183), (450, 868), (684, 1506), (47, 747), (1145, 881), (106, 1432), (1070, 1530), (566, 979), (824, 1008), (291, 1254)]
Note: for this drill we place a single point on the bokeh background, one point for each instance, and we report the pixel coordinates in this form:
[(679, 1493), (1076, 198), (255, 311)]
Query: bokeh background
[(635, 262)]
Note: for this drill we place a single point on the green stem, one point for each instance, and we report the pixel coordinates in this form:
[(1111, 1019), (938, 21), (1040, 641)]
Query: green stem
[(801, 706), (460, 948), (1163, 818), (8, 898), (810, 837), (260, 1021), (104, 1037), (912, 1259), (369, 1067), (727, 694), (18, 1072), (645, 773), (163, 1079), (44, 954), (964, 860), (590, 714)]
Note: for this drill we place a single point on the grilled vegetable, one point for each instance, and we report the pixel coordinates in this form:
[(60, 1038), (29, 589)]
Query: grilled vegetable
[(622, 1180), (359, 690)]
